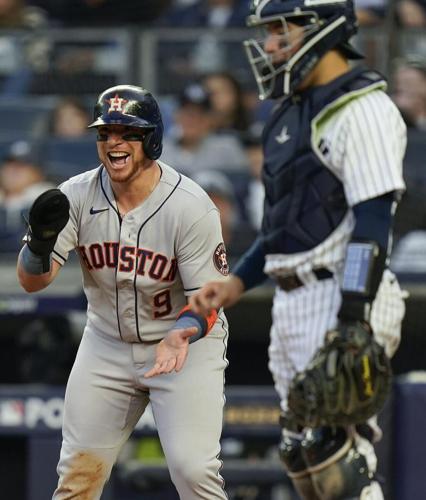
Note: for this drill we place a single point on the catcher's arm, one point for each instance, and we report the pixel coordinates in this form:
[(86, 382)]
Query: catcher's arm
[(366, 256), (348, 379)]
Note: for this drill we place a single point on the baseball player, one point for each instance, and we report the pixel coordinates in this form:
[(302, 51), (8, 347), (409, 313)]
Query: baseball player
[(333, 149), (147, 238)]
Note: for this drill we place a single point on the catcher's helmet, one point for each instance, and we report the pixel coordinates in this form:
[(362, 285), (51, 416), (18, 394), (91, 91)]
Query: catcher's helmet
[(135, 107), (326, 24)]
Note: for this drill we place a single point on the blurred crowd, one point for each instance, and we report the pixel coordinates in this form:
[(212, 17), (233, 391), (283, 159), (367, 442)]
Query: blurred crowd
[(213, 118), (177, 13)]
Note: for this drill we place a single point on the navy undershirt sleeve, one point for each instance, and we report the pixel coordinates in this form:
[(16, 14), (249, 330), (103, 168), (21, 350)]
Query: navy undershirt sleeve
[(249, 267), (374, 220)]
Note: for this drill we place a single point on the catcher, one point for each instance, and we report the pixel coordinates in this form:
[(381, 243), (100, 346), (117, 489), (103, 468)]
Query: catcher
[(333, 152)]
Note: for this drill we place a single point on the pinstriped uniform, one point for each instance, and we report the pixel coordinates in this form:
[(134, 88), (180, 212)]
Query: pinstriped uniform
[(346, 148), (363, 144), (137, 271)]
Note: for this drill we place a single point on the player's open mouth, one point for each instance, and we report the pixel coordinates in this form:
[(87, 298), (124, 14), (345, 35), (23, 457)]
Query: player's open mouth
[(118, 158)]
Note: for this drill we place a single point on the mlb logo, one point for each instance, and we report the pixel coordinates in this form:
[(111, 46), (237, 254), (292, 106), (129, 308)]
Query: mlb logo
[(12, 412)]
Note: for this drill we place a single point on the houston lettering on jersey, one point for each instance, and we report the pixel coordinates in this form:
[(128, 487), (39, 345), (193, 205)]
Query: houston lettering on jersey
[(109, 254)]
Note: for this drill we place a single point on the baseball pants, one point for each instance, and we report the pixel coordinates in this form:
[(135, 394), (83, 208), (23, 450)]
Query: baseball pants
[(107, 394)]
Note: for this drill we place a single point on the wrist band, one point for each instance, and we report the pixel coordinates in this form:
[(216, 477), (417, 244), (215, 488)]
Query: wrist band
[(189, 322), (34, 264), (188, 318)]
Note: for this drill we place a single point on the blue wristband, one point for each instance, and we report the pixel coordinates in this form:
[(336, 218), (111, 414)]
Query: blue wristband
[(32, 263), (188, 321)]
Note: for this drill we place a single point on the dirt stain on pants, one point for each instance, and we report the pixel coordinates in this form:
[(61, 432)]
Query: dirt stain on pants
[(85, 479)]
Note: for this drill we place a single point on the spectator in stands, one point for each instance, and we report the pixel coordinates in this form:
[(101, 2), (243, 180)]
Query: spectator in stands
[(104, 12), (220, 190), (411, 13), (26, 54), (192, 146), (75, 66), (208, 13), (21, 181), (203, 51), (69, 119), (409, 92), (16, 14), (237, 234), (370, 12), (229, 112)]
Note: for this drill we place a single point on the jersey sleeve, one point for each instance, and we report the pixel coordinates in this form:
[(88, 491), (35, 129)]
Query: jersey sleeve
[(202, 253), (68, 237), (371, 145)]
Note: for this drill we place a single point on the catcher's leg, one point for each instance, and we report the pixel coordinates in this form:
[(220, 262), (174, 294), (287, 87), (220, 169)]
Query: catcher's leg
[(291, 456), (342, 464)]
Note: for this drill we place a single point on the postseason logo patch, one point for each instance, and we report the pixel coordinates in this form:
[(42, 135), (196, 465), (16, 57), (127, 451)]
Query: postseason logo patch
[(220, 260)]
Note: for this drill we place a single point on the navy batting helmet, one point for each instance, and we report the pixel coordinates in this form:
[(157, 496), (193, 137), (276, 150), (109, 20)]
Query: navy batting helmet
[(325, 24), (135, 107)]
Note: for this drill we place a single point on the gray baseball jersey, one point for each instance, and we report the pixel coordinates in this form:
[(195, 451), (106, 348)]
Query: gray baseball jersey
[(137, 271)]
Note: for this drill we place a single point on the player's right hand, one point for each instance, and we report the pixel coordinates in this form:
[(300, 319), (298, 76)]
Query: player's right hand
[(172, 351), (216, 294)]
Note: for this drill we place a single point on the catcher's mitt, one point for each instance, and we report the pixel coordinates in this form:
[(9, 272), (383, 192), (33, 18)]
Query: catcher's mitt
[(346, 382)]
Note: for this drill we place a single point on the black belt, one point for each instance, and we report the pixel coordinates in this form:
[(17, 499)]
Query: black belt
[(289, 283)]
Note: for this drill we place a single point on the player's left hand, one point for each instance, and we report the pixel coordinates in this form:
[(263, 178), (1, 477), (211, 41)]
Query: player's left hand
[(172, 352)]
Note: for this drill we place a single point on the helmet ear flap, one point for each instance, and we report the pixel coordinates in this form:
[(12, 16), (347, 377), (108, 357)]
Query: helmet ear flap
[(152, 144)]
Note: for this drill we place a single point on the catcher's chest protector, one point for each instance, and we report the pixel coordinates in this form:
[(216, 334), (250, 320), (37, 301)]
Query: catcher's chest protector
[(304, 200)]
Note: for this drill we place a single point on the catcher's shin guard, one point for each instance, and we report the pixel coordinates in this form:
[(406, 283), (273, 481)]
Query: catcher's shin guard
[(290, 449), (341, 465)]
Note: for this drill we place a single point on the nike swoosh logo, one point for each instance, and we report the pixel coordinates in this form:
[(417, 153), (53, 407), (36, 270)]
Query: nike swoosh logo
[(94, 211)]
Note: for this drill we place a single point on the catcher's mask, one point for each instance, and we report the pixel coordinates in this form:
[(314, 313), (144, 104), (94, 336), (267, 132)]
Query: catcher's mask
[(135, 107), (322, 26)]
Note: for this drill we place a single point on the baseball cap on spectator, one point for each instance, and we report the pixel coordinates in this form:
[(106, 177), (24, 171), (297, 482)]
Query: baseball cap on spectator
[(22, 152), (215, 183), (195, 94)]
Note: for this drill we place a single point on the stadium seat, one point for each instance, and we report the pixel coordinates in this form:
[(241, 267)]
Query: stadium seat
[(64, 158), (24, 118)]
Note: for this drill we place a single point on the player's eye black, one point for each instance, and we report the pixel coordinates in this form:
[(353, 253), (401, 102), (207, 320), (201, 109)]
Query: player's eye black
[(133, 136), (129, 137)]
